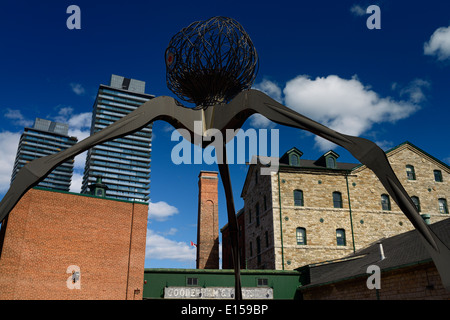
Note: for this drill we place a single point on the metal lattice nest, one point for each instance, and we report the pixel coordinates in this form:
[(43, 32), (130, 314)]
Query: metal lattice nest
[(210, 61)]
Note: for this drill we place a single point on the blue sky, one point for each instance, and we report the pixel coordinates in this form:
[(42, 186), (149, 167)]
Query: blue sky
[(389, 85)]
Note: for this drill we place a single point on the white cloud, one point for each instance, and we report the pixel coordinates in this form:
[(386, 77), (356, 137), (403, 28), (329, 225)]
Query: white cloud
[(357, 10), (17, 118), (9, 142), (272, 90), (385, 144), (161, 248), (161, 211), (439, 44), (260, 122), (77, 180), (77, 88), (344, 105), (170, 232), (415, 90), (80, 121)]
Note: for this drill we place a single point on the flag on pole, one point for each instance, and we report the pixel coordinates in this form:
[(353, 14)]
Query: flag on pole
[(193, 244)]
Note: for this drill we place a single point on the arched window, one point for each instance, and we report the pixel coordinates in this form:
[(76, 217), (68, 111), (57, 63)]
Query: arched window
[(416, 202), (337, 199), (301, 236), (410, 173), (294, 160), (385, 202), (298, 198), (331, 162), (443, 205), (340, 237)]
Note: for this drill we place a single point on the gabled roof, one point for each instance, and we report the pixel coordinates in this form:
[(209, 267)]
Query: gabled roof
[(322, 161), (402, 250), (285, 157), (410, 146)]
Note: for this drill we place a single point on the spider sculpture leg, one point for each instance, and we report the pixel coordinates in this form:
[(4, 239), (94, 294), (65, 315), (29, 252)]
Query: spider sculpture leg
[(367, 152), (232, 223), (161, 108)]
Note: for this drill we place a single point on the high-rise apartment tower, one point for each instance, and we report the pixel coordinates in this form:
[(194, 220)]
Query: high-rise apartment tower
[(123, 163), (44, 138)]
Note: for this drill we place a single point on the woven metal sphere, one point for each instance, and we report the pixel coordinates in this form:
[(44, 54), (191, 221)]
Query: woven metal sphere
[(210, 61)]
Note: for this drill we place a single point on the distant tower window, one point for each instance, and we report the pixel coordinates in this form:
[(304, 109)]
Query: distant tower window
[(340, 237), (437, 175), (294, 160), (385, 202), (416, 202), (298, 198), (301, 236), (443, 205), (410, 173), (337, 199)]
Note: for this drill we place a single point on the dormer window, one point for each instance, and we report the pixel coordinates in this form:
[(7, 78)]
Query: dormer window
[(292, 157), (331, 162), (294, 160), (327, 160)]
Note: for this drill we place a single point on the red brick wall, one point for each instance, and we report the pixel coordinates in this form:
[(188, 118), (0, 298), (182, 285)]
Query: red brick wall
[(49, 231), (208, 224), (420, 282)]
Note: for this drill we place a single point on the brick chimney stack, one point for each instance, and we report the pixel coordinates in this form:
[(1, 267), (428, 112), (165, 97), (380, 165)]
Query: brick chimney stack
[(208, 224)]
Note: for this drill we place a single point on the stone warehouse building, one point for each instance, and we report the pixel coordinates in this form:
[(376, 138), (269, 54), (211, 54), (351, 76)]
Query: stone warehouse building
[(317, 210)]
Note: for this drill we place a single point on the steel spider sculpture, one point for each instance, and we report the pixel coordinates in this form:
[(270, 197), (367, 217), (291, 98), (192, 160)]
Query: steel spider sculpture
[(213, 64)]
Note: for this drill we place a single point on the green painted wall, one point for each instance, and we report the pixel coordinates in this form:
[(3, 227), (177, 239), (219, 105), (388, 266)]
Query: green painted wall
[(284, 283)]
